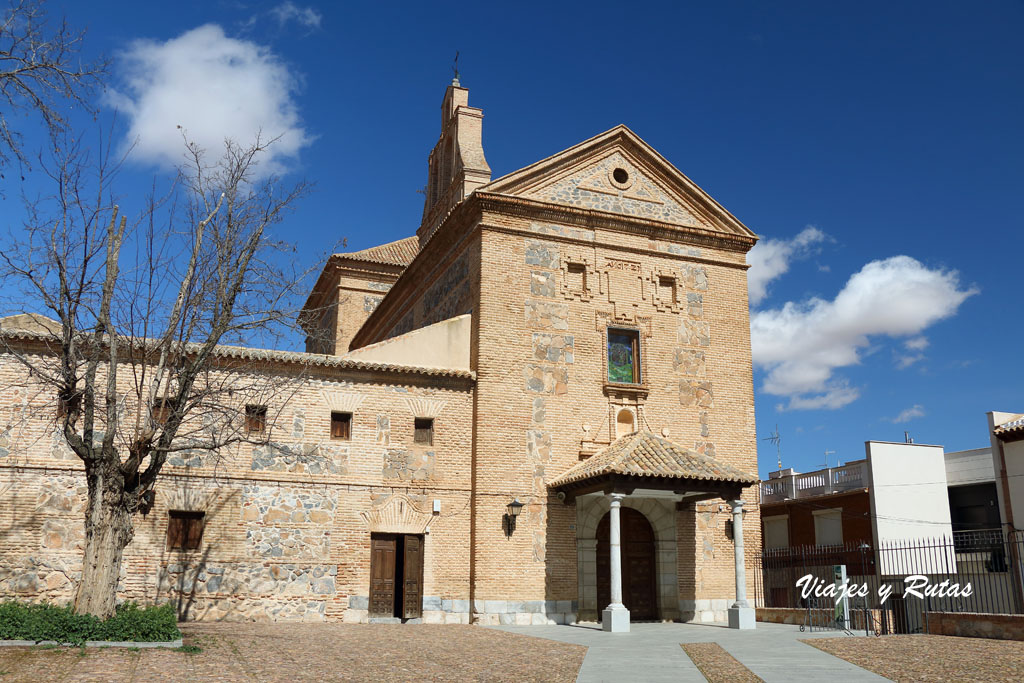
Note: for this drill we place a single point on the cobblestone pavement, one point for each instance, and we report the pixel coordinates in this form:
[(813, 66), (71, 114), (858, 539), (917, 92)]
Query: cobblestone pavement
[(311, 652), (932, 658)]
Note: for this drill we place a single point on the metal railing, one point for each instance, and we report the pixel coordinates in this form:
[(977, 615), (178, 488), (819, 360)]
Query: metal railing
[(852, 475), (920, 576)]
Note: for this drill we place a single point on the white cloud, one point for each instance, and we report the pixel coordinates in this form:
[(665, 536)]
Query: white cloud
[(801, 345), (914, 346), (214, 87), (904, 361), (916, 410), (288, 11), (770, 259), (916, 343)]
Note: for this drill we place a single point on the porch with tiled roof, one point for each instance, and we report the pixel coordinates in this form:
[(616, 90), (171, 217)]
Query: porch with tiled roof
[(643, 465)]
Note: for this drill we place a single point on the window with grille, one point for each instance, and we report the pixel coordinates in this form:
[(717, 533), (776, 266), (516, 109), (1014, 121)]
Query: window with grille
[(255, 419), (341, 426), (185, 529), (424, 434)]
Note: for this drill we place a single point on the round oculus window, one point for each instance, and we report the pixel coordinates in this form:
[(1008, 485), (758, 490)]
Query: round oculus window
[(620, 178)]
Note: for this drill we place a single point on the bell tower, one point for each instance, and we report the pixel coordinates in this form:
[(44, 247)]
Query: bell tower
[(456, 165)]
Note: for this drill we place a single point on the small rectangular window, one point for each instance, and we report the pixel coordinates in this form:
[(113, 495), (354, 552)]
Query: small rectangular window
[(623, 356), (341, 426), (161, 411), (255, 419), (828, 526), (185, 529), (424, 435)]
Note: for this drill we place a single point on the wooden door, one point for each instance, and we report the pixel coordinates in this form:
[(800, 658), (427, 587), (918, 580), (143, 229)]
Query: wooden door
[(382, 576), (412, 578), (638, 565)]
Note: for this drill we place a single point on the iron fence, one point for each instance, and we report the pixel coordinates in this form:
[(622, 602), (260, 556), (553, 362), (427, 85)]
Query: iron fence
[(900, 583)]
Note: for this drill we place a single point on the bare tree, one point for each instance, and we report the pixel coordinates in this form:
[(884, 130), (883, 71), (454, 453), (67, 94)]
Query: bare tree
[(40, 74), (135, 366)]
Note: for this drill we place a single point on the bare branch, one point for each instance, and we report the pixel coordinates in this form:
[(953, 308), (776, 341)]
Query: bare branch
[(40, 73)]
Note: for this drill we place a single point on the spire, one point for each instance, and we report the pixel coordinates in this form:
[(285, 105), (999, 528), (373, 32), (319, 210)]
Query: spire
[(456, 165)]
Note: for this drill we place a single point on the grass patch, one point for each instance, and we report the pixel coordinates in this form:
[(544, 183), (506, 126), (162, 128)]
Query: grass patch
[(43, 621), (189, 649)]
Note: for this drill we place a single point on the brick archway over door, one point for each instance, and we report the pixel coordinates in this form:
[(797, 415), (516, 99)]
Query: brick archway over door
[(639, 568)]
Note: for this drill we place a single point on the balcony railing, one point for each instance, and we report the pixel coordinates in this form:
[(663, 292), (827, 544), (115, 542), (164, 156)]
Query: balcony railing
[(853, 475)]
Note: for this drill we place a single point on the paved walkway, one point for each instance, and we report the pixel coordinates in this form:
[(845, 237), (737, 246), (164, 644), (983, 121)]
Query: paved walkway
[(651, 652)]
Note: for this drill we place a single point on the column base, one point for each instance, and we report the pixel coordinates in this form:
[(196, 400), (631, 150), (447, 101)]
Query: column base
[(615, 619), (742, 618)]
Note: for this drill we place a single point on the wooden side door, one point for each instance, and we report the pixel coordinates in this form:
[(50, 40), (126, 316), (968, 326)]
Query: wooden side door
[(412, 579), (382, 576)]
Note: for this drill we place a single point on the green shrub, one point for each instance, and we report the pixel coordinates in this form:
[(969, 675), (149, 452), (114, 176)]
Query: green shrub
[(42, 621)]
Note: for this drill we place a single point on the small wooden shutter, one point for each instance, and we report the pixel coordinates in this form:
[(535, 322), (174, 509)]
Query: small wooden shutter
[(424, 434), (341, 426), (255, 419), (194, 537), (175, 532), (413, 578), (382, 577)]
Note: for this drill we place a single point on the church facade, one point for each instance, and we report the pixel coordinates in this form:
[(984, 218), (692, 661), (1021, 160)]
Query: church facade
[(537, 407)]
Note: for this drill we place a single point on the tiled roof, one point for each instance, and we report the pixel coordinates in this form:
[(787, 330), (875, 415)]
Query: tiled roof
[(273, 355), (398, 253), (1016, 424), (645, 455)]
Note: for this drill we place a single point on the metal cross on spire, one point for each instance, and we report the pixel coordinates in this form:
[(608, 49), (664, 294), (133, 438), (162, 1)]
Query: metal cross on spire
[(455, 68)]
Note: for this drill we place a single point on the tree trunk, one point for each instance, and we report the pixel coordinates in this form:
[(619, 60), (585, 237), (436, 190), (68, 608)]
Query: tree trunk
[(108, 530)]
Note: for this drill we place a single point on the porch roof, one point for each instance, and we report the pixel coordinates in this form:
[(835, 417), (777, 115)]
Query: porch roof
[(643, 456)]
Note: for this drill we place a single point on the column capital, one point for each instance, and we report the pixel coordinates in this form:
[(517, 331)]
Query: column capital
[(616, 497), (736, 505)]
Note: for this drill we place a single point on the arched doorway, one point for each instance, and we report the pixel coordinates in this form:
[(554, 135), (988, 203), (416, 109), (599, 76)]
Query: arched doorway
[(638, 566)]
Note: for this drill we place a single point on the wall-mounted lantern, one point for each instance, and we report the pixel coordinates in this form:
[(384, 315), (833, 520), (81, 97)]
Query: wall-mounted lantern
[(509, 519)]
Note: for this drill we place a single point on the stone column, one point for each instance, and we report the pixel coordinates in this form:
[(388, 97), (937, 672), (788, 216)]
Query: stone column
[(615, 617), (741, 614)]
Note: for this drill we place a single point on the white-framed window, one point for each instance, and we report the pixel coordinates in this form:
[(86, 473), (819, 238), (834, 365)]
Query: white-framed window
[(828, 526), (776, 531)]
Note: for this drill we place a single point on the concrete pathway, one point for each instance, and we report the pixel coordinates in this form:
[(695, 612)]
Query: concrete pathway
[(651, 652)]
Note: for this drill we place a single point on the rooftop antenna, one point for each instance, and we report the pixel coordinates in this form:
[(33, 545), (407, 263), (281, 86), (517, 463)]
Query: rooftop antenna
[(455, 68), (776, 439), (906, 437), (828, 453)]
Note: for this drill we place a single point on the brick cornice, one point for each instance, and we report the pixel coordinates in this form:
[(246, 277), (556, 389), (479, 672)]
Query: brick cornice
[(591, 218)]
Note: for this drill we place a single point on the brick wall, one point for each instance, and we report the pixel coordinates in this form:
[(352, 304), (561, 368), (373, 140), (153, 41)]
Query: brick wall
[(976, 625), (288, 522)]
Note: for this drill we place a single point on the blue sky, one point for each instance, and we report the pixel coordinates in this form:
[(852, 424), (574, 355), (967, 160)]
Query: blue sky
[(847, 135)]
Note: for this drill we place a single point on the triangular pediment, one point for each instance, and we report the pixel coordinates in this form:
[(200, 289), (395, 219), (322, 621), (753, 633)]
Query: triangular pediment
[(617, 172)]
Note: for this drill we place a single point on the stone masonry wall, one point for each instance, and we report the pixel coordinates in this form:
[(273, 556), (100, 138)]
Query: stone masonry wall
[(288, 522)]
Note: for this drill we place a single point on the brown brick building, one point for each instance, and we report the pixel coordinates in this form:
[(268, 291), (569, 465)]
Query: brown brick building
[(568, 338)]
